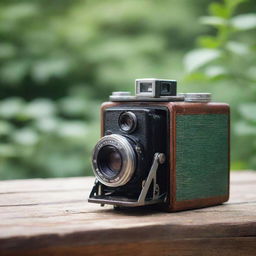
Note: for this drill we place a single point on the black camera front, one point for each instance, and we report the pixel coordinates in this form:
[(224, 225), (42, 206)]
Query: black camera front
[(122, 159)]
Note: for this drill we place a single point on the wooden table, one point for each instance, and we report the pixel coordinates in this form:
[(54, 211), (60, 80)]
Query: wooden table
[(52, 217)]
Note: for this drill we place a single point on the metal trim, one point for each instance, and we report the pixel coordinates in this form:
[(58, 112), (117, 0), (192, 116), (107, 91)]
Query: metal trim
[(128, 164)]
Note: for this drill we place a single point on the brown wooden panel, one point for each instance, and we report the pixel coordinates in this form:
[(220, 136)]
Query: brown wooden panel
[(185, 108), (102, 109)]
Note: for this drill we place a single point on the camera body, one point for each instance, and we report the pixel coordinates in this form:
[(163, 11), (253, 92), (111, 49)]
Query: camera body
[(163, 149)]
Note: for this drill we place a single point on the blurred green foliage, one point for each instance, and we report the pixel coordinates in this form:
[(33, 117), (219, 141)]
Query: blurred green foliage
[(227, 58), (60, 59)]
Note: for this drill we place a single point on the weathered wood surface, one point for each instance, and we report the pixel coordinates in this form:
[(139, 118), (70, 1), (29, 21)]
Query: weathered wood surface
[(52, 217)]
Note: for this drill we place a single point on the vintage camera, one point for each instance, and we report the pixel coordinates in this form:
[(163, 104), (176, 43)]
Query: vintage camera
[(162, 148)]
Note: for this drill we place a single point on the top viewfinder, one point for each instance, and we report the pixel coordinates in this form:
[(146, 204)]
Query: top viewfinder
[(155, 88)]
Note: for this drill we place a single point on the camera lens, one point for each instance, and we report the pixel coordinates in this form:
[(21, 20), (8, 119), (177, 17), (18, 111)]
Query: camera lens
[(110, 161), (128, 122), (114, 160)]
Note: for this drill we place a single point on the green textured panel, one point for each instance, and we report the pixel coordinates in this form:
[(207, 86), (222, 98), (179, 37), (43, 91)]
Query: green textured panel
[(201, 156)]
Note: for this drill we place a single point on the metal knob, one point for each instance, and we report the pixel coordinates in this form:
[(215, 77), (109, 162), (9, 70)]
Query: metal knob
[(121, 93), (197, 97), (120, 96)]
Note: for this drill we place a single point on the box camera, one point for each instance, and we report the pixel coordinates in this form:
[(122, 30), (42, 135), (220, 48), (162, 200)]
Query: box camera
[(163, 148)]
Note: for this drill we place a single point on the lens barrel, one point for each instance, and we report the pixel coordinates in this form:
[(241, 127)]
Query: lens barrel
[(113, 160), (127, 122)]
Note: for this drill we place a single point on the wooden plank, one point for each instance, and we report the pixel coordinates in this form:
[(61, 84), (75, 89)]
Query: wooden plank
[(42, 198), (45, 185), (240, 181), (238, 246), (52, 216), (62, 222)]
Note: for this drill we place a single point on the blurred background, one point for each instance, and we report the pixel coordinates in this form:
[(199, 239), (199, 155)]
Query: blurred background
[(59, 60)]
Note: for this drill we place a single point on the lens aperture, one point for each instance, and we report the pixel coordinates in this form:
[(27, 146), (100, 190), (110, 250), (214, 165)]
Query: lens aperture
[(115, 161), (110, 161)]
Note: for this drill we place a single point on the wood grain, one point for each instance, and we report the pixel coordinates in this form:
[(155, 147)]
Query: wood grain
[(52, 217)]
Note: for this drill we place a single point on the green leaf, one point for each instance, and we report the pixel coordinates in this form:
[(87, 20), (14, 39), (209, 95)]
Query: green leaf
[(251, 72), (25, 136), (239, 165), (244, 21), (248, 111), (7, 51), (40, 108), (196, 76), (11, 108), (20, 11), (219, 10), (6, 128), (47, 124), (213, 21), (215, 71), (208, 42), (7, 150), (73, 130), (73, 106), (200, 57), (233, 4), (45, 69), (244, 128), (237, 48), (14, 71)]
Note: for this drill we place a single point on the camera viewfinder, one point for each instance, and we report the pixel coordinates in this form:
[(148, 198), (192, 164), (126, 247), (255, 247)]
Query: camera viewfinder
[(145, 87), (155, 88), (168, 88)]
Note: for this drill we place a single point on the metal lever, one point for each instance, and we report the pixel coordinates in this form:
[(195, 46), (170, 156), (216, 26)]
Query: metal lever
[(97, 193), (159, 158)]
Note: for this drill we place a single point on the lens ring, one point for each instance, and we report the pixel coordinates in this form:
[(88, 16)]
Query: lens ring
[(127, 122), (128, 156)]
